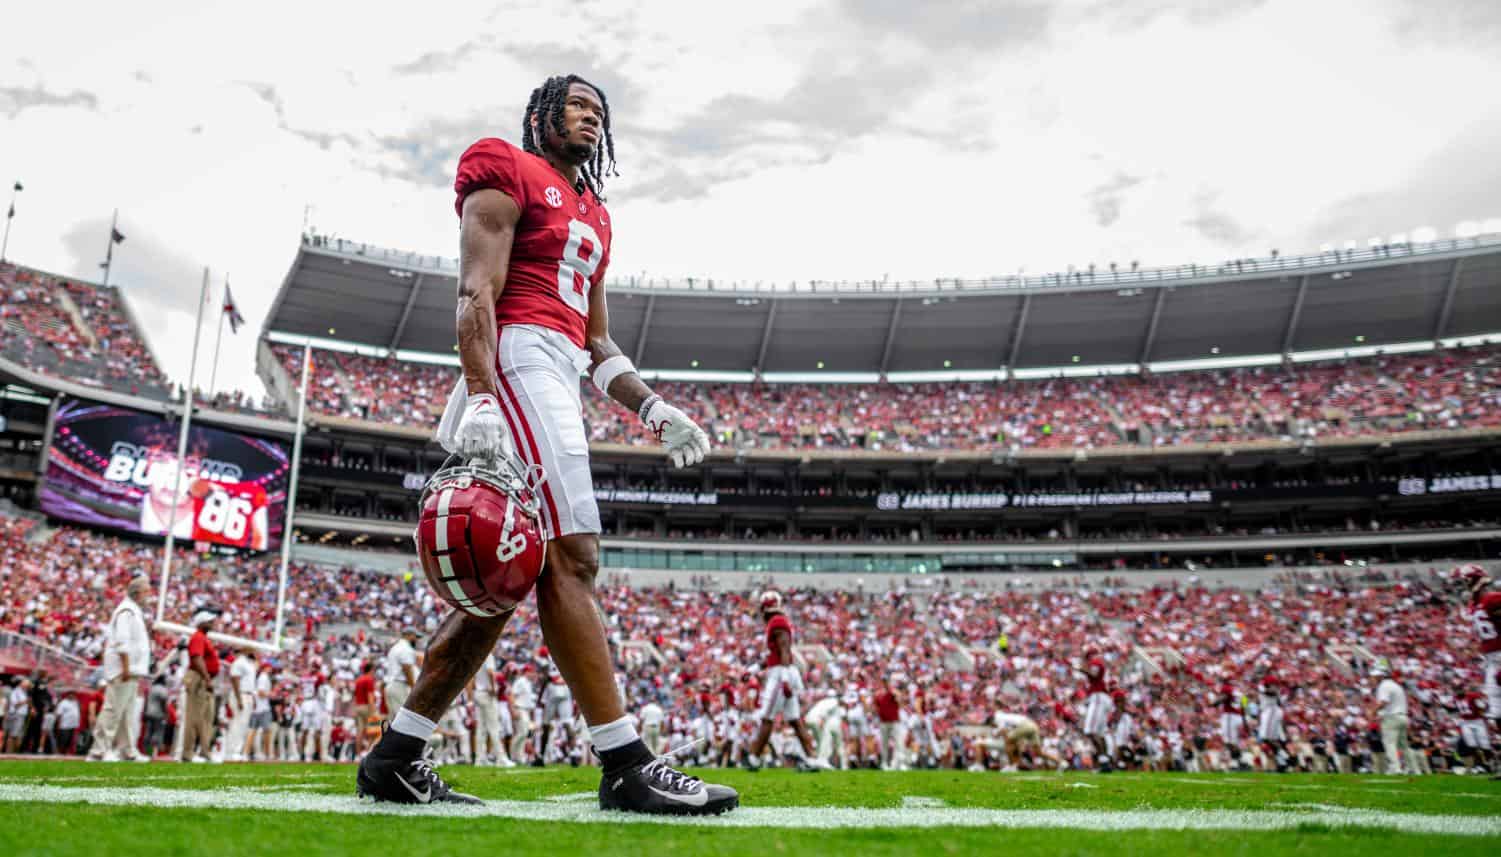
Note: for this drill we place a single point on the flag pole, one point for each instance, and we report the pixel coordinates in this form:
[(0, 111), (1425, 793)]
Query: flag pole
[(182, 450), (109, 252), (10, 214), (218, 340), (286, 530)]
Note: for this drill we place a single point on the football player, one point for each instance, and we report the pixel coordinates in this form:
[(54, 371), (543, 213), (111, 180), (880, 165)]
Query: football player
[(1474, 734), (1097, 708), (1232, 721), (488, 749), (826, 716), (1269, 729), (780, 687), (1483, 610), (557, 710), (534, 245), (859, 724)]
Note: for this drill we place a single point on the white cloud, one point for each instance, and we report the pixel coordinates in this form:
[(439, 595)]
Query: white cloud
[(813, 139)]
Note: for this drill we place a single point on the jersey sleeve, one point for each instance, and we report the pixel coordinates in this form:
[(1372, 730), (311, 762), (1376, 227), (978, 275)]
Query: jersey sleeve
[(489, 163), (1490, 602)]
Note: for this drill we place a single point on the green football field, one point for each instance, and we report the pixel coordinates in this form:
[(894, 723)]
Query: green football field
[(66, 808)]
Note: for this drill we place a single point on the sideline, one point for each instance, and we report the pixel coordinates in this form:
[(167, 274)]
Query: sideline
[(765, 816)]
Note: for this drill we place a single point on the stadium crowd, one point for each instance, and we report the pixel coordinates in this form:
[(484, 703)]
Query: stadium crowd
[(1449, 389), (74, 330), (894, 677)]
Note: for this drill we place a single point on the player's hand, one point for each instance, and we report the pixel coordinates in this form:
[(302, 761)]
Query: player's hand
[(686, 443), (481, 430)]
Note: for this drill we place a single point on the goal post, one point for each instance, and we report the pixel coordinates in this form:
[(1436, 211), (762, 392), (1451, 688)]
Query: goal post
[(162, 624)]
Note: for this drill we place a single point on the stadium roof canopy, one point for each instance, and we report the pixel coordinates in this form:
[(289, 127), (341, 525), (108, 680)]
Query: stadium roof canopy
[(1337, 299)]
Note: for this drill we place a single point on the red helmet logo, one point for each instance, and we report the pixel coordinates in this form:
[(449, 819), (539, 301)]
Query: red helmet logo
[(478, 538)]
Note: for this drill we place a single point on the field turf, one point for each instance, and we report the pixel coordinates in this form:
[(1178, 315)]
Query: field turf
[(67, 808)]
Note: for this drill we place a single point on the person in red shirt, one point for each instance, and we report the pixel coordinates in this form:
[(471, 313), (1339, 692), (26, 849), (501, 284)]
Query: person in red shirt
[(779, 694), (888, 704), (198, 687), (364, 705), (535, 240)]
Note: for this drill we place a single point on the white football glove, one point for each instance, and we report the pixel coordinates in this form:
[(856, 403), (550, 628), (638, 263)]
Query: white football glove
[(686, 443), (481, 432)]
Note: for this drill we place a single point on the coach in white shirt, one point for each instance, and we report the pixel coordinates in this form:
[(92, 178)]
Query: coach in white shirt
[(127, 660), (1391, 700), (401, 670)]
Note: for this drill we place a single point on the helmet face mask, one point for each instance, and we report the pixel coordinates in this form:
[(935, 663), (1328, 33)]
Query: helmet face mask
[(478, 536)]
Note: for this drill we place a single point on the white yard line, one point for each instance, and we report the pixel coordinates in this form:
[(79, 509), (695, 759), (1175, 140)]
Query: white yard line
[(1234, 783), (768, 816)]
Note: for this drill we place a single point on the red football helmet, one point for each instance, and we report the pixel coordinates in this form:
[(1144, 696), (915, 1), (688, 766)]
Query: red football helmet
[(1471, 577), (478, 537)]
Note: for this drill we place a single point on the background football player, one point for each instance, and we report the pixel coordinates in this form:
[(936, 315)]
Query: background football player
[(780, 686), (1483, 610)]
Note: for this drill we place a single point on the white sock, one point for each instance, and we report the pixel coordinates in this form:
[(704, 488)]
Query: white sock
[(613, 735), (409, 723)]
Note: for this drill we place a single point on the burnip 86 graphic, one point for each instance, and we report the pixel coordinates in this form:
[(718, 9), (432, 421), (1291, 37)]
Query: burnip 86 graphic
[(117, 467)]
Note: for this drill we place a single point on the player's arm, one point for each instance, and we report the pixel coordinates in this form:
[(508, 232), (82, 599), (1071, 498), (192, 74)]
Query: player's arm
[(616, 377), (487, 228), (781, 640)]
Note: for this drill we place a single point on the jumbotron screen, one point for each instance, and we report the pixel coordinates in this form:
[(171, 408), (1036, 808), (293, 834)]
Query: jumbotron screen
[(116, 467)]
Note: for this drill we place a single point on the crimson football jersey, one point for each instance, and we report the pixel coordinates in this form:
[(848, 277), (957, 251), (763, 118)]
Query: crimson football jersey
[(1483, 612), (231, 513), (562, 242), (1094, 676), (777, 620)]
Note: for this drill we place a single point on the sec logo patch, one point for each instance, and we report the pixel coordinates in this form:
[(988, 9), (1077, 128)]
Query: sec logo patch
[(553, 196)]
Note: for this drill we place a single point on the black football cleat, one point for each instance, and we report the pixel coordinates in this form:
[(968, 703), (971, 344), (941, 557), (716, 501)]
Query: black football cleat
[(655, 788), (395, 771)]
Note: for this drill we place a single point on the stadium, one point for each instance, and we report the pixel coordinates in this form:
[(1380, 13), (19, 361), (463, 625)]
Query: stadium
[(1194, 557)]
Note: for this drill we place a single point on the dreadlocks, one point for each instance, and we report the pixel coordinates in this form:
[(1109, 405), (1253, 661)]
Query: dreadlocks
[(546, 103)]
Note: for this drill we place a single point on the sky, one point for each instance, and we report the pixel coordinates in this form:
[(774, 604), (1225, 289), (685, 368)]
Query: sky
[(777, 141)]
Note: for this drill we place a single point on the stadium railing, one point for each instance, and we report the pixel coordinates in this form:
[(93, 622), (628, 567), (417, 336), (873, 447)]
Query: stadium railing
[(1091, 276)]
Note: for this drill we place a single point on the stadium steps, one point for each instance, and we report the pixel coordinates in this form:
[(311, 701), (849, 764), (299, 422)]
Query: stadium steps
[(1119, 422), (279, 382), (85, 332)]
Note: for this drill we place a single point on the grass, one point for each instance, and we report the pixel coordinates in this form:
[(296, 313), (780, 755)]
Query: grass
[(76, 828)]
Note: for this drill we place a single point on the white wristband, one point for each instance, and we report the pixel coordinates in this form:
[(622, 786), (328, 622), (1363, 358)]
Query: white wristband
[(608, 370)]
